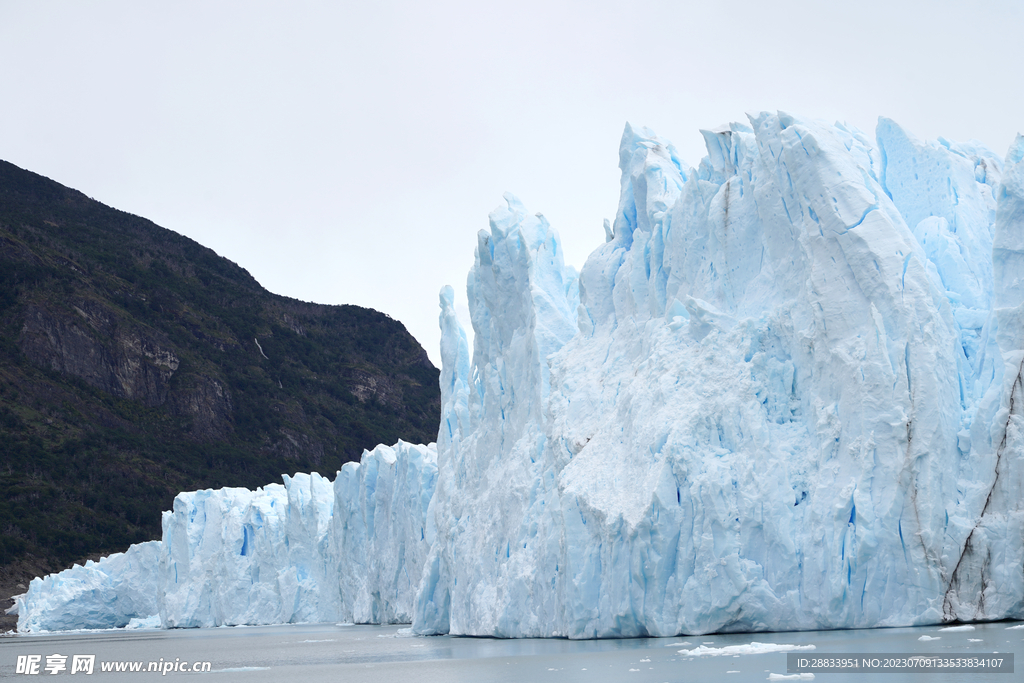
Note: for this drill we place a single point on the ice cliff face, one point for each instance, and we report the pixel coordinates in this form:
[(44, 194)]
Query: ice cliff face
[(786, 393), (234, 556), (306, 551), (792, 403), (499, 540), (104, 594), (380, 533)]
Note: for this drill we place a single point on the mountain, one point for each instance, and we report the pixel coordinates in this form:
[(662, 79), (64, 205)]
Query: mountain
[(136, 363)]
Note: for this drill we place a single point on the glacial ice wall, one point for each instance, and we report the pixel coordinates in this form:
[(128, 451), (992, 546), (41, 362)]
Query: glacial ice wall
[(235, 556), (786, 393), (498, 540), (792, 403), (381, 533), (306, 551), (104, 594)]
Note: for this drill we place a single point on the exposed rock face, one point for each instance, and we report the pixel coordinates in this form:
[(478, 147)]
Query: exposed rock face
[(367, 386), (207, 403), (89, 342)]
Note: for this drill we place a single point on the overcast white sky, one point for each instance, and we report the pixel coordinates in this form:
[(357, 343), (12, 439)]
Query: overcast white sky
[(348, 152)]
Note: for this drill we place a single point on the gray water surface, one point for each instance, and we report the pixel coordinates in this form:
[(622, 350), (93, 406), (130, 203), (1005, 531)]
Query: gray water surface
[(315, 653)]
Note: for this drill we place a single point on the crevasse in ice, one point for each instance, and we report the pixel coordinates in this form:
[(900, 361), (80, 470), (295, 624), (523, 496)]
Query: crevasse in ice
[(786, 393)]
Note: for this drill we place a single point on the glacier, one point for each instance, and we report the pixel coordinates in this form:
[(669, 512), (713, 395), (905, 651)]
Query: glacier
[(308, 550), (105, 594), (791, 402), (785, 393)]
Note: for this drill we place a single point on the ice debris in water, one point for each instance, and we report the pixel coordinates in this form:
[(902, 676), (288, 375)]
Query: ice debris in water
[(753, 648), (785, 394)]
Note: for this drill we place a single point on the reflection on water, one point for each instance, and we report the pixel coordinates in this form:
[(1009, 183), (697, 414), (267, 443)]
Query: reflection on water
[(312, 653)]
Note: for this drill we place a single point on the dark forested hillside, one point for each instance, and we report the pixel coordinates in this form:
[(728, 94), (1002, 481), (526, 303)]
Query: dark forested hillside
[(136, 363)]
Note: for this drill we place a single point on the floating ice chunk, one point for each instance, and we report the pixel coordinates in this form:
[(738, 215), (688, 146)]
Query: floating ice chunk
[(152, 621), (754, 648)]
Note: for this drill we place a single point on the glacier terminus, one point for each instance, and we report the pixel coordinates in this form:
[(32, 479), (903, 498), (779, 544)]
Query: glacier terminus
[(787, 393)]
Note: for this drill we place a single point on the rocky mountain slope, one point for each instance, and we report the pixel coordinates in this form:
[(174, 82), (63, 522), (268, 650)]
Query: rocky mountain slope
[(136, 363)]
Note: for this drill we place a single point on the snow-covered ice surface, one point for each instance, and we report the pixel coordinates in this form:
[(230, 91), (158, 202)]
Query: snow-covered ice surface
[(786, 393)]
